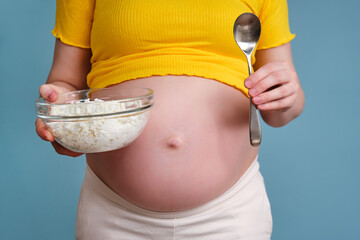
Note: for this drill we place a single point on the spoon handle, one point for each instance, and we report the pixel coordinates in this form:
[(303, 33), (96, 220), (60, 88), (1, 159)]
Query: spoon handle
[(254, 121), (254, 126)]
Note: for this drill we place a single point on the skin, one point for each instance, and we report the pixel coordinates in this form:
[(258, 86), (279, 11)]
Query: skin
[(196, 153)]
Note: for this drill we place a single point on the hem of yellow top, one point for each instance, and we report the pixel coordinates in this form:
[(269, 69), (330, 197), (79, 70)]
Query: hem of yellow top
[(67, 41), (108, 83), (278, 44)]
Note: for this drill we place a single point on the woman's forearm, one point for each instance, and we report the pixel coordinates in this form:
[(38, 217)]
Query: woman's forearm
[(70, 66)]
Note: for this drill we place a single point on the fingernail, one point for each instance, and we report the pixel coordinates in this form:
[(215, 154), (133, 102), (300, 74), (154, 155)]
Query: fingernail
[(252, 92), (51, 96), (48, 93), (248, 83), (49, 138), (261, 106), (256, 99)]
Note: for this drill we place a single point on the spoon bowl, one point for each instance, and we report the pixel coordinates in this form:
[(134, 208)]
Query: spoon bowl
[(247, 29)]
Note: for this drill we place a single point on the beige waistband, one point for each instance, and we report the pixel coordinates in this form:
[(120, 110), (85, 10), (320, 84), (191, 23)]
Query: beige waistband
[(97, 185)]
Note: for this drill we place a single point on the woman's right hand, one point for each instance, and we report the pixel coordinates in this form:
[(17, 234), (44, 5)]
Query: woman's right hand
[(50, 93)]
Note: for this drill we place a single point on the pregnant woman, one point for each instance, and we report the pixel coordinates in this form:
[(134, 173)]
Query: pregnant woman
[(192, 173)]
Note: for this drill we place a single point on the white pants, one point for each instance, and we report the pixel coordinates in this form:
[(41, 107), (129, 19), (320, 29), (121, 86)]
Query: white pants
[(241, 213)]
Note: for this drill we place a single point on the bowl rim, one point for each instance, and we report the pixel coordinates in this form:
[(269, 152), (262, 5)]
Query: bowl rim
[(41, 102), (39, 99)]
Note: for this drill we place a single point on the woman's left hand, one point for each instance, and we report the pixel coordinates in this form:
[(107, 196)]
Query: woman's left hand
[(274, 86)]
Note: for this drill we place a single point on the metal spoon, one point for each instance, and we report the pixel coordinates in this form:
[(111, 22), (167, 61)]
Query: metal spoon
[(247, 30)]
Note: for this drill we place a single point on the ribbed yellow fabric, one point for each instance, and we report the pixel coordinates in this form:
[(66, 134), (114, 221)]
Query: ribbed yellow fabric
[(133, 39), (73, 22)]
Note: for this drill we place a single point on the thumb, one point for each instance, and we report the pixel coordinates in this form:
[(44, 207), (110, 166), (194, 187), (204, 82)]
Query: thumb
[(48, 92)]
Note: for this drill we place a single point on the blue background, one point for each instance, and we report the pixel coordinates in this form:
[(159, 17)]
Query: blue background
[(311, 166)]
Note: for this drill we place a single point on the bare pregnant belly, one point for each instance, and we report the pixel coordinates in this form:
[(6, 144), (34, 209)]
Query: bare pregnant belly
[(194, 147)]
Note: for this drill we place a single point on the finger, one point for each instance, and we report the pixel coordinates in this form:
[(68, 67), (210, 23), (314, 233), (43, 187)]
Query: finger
[(269, 82), (262, 72), (279, 92), (42, 131), (64, 151), (278, 105), (48, 92)]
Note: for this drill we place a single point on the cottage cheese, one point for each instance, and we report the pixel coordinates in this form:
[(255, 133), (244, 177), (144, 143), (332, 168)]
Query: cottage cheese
[(96, 134)]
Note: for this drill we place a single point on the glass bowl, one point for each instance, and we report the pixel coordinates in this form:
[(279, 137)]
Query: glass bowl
[(97, 120)]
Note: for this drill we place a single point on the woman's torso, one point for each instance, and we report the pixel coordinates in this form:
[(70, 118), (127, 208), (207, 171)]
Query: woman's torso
[(194, 147), (196, 143)]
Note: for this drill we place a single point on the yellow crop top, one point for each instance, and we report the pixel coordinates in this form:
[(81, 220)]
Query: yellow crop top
[(133, 39)]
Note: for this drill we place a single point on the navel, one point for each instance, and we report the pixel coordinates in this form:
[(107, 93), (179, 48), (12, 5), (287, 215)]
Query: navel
[(174, 142)]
